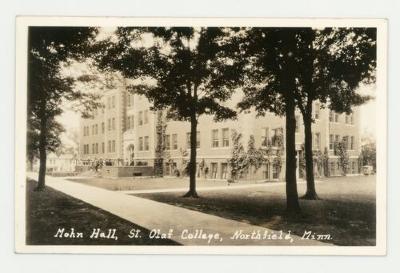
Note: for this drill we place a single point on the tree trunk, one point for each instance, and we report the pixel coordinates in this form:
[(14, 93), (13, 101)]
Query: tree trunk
[(292, 199), (192, 164), (42, 154), (311, 194)]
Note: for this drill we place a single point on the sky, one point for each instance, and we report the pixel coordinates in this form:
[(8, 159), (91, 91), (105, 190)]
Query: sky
[(368, 112)]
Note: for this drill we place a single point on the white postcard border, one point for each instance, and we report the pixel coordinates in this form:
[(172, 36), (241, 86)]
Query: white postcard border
[(22, 24)]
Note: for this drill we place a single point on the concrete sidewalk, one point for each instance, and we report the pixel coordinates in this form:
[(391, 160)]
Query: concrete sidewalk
[(185, 226)]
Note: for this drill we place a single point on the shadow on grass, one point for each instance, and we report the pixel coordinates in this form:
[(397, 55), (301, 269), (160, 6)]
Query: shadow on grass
[(49, 210), (350, 223)]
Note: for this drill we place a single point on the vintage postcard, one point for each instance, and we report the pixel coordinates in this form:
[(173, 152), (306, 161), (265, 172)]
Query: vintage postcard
[(200, 136)]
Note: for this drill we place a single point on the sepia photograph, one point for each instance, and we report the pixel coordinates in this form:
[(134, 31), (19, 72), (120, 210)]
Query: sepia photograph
[(203, 136)]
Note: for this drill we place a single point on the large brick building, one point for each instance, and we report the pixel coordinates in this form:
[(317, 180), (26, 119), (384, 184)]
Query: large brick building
[(124, 132)]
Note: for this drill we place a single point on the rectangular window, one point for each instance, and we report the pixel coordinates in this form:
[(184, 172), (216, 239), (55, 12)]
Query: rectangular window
[(146, 143), (225, 137), (337, 138), (93, 150), (97, 148), (331, 142), (346, 142), (175, 141), (109, 146), (146, 116), (97, 129), (168, 169), (214, 170), (266, 171), (167, 142), (132, 122), (102, 147), (113, 123), (214, 137), (128, 123), (347, 119), (351, 118), (224, 170), (336, 117), (102, 127), (92, 129), (140, 143), (264, 137), (129, 100), (113, 146), (275, 171), (331, 116), (140, 118), (352, 143)]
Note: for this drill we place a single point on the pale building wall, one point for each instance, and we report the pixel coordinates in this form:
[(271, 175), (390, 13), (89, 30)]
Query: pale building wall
[(130, 131), (61, 163), (105, 144)]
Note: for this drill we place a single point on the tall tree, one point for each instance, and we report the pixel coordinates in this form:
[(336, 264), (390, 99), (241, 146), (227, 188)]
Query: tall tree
[(271, 87), (334, 62), (195, 69), (48, 49)]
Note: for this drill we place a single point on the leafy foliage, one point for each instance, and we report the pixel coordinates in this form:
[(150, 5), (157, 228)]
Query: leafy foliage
[(368, 155), (237, 162), (160, 145), (49, 49), (341, 150), (193, 70), (334, 62), (254, 157)]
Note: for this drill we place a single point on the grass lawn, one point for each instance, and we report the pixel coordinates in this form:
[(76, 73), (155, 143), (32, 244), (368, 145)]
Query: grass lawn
[(134, 183), (346, 212), (50, 209)]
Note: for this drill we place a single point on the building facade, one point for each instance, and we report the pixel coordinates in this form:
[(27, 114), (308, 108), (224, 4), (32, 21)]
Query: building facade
[(124, 132)]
